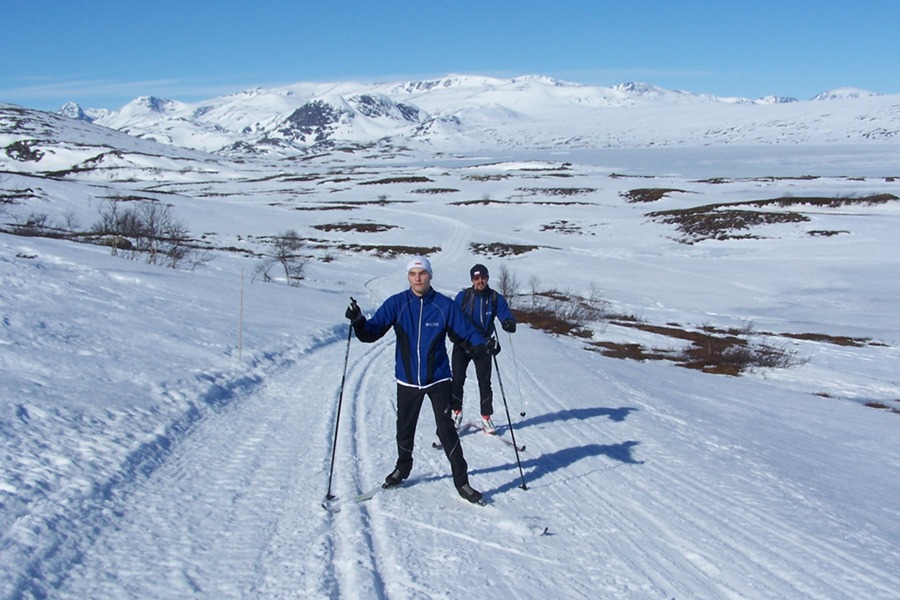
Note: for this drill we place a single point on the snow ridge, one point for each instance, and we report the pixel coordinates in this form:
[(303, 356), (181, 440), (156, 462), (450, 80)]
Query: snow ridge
[(464, 111)]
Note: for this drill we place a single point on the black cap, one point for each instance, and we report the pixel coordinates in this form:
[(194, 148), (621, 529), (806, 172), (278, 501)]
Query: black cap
[(478, 270)]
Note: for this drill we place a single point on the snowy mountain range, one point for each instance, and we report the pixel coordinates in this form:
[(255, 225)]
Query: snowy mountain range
[(458, 113)]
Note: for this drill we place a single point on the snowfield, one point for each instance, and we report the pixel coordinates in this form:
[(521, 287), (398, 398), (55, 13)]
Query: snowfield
[(168, 433)]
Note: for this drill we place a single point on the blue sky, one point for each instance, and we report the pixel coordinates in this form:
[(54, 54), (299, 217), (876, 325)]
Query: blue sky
[(104, 53)]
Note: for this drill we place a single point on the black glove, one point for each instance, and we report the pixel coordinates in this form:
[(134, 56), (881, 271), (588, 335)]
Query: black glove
[(492, 347), (353, 313), (509, 325)]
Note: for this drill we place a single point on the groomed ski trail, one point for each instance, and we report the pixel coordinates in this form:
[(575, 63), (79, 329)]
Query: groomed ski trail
[(236, 511)]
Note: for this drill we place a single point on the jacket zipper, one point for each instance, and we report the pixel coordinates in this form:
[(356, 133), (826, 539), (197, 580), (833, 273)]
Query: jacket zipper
[(419, 342)]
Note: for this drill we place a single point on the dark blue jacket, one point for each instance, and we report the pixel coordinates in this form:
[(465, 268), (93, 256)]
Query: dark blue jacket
[(482, 307), (421, 325)]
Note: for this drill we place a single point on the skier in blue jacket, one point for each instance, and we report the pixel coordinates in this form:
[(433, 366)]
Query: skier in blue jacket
[(421, 319), (481, 305)]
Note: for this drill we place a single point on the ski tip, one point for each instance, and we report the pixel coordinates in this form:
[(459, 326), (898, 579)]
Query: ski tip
[(369, 495)]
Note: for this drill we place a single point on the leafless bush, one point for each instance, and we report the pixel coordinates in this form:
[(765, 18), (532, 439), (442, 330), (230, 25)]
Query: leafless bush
[(144, 228), (736, 353), (263, 270), (285, 247), (564, 312), (534, 285), (710, 349), (507, 284), (35, 224)]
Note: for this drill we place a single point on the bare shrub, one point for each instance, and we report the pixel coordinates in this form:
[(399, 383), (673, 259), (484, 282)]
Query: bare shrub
[(285, 247), (143, 228), (507, 284), (564, 312), (36, 225), (534, 284), (711, 350), (263, 270)]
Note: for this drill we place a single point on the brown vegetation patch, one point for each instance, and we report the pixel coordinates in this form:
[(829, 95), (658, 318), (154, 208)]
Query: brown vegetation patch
[(486, 177), (486, 201), (435, 191), (500, 249), (562, 312), (626, 176), (391, 251), (380, 201), (767, 179), (648, 194), (24, 151), (562, 226), (824, 202), (357, 227), (546, 319), (825, 232), (563, 167), (558, 203), (16, 196), (301, 178), (352, 204), (327, 207), (556, 191), (560, 175), (882, 406), (830, 339), (483, 202), (718, 223), (626, 351), (711, 350), (414, 179)]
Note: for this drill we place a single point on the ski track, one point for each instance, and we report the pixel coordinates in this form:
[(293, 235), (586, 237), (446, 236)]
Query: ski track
[(764, 555), (234, 510)]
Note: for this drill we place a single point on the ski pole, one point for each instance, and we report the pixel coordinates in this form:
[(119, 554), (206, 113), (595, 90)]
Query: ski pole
[(516, 367), (509, 420), (329, 496)]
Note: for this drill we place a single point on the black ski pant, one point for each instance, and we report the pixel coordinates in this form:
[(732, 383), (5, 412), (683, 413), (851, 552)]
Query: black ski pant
[(459, 363), (409, 404)]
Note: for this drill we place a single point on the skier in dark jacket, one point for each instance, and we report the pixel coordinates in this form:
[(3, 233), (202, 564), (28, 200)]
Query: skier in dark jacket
[(421, 319), (481, 305)]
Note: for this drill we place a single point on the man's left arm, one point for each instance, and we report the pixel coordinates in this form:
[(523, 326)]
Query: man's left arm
[(507, 320)]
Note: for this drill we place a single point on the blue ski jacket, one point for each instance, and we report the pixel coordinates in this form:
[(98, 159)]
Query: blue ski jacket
[(482, 307), (421, 325)]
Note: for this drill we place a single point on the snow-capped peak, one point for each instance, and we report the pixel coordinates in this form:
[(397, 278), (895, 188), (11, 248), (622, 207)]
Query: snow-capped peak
[(775, 100), (73, 111), (152, 104), (844, 93), (639, 88)]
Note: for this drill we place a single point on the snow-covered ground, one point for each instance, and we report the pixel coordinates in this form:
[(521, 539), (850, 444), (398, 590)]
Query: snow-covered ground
[(168, 433)]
